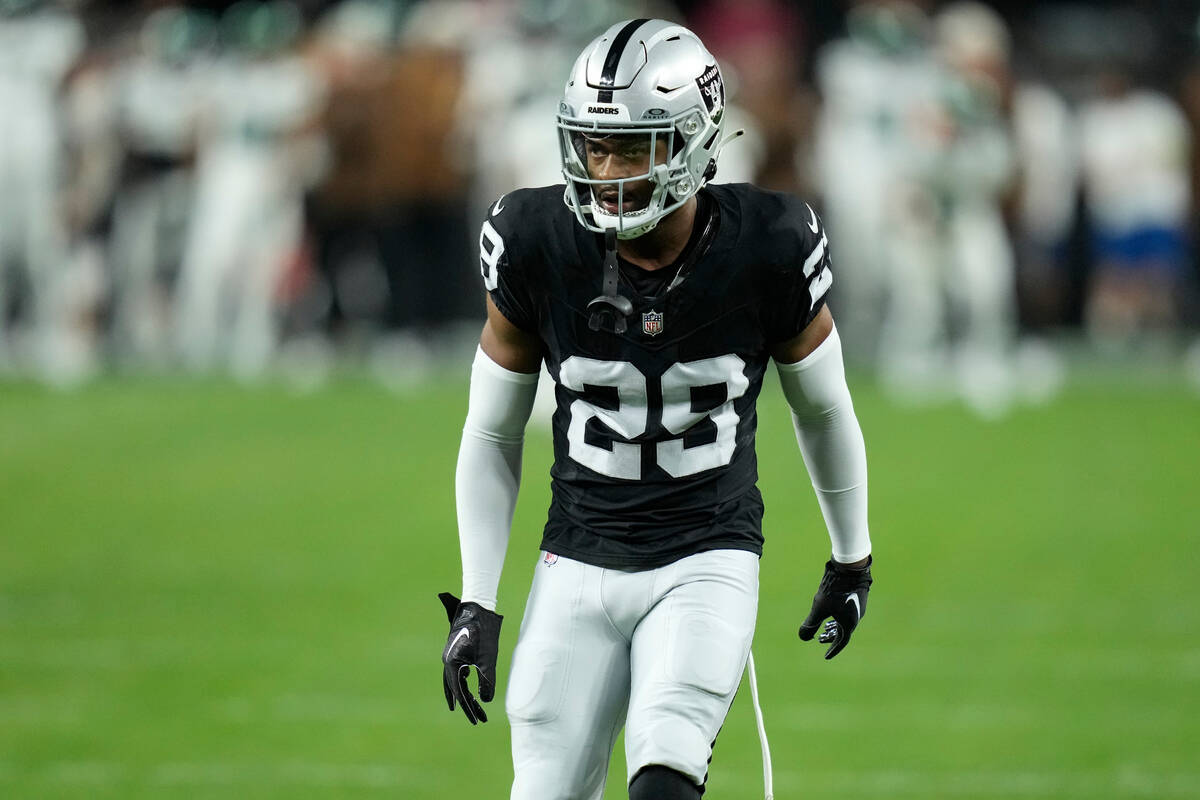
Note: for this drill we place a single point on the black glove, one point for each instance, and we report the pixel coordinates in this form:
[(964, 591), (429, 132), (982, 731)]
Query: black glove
[(842, 595), (473, 641)]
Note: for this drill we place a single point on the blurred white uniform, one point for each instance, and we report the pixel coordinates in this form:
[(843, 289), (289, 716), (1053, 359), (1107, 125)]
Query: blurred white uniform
[(248, 210), (1047, 149), (979, 263), (950, 313), (158, 114), (1136, 172), (1135, 152), (1135, 156), (510, 89), (36, 52), (1046, 139), (869, 99)]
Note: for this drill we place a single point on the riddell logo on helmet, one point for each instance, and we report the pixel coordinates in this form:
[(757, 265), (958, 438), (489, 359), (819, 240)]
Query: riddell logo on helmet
[(603, 110)]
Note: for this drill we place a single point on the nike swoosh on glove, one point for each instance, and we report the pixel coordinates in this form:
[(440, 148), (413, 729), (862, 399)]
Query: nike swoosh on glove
[(842, 594), (473, 642)]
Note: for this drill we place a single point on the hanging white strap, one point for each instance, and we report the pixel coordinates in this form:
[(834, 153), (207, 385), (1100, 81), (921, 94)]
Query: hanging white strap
[(768, 780), (731, 137)]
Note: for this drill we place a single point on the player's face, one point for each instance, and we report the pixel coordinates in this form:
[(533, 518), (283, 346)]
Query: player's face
[(622, 156)]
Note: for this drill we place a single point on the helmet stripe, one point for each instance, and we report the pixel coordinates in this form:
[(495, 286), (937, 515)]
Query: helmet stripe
[(609, 75)]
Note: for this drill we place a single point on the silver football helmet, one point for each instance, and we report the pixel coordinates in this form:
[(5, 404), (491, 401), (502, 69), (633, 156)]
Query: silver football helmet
[(647, 78)]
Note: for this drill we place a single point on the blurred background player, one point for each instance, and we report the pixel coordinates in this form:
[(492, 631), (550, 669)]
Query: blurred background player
[(160, 97), (1136, 165), (951, 310), (258, 153), (39, 44), (1045, 135), (389, 220), (872, 83)]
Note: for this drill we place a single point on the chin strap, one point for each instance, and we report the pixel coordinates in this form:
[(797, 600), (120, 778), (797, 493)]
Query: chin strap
[(610, 303)]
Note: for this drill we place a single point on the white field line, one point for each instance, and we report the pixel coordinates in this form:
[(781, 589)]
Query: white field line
[(134, 653), (807, 717), (1012, 617), (1117, 721), (1121, 782), (1126, 781), (209, 774), (38, 715), (1071, 665), (314, 708), (68, 710), (65, 711), (49, 609), (85, 773), (381, 776)]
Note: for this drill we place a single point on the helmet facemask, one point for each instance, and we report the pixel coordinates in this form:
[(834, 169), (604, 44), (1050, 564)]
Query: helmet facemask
[(662, 146)]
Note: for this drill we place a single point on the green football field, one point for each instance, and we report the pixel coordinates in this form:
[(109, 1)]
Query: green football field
[(215, 591)]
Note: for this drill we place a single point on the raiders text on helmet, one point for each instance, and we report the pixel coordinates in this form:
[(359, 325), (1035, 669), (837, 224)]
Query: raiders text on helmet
[(642, 77)]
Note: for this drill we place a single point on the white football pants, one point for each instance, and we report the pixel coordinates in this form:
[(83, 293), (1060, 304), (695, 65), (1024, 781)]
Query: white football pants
[(660, 651)]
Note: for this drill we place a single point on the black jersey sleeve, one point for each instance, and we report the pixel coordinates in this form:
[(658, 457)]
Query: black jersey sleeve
[(802, 274), (505, 273)]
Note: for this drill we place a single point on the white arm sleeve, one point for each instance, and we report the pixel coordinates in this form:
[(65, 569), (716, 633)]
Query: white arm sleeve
[(832, 444), (489, 473)]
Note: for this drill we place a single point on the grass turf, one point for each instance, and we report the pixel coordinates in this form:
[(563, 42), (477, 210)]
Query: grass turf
[(211, 591)]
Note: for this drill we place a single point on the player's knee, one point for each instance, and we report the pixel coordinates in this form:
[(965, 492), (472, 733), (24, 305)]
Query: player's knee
[(657, 782)]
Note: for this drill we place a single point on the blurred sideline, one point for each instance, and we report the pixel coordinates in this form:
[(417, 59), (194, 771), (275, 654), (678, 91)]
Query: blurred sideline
[(282, 189)]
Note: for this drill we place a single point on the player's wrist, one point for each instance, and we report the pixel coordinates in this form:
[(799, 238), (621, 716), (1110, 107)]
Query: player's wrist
[(483, 602)]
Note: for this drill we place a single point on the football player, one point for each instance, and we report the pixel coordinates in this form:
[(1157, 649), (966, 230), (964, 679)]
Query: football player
[(656, 302)]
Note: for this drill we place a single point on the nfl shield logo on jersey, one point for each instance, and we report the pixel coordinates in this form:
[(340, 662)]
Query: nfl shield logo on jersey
[(652, 323), (550, 559)]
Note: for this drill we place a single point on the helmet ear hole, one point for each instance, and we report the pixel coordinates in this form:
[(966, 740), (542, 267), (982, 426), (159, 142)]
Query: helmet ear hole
[(710, 171)]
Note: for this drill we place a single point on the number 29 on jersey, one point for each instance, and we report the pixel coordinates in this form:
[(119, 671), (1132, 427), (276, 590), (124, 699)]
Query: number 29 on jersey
[(691, 391)]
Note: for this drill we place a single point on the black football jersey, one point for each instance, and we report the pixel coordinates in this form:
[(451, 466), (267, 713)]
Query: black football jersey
[(654, 429)]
